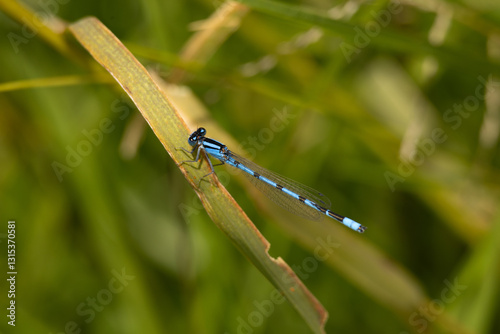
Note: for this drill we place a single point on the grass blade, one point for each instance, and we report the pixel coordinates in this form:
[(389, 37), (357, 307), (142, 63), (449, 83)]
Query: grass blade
[(172, 131), (385, 37)]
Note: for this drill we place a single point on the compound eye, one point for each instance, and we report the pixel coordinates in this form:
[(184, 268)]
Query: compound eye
[(193, 139)]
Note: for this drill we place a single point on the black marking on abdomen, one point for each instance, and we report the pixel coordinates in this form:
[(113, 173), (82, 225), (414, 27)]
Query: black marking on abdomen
[(320, 208), (279, 187), (302, 199), (257, 175), (334, 215)]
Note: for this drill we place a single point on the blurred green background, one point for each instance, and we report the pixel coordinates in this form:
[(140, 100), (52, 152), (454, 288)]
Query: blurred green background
[(394, 113)]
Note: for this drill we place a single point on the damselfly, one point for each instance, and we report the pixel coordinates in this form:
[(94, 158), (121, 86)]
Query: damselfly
[(293, 196)]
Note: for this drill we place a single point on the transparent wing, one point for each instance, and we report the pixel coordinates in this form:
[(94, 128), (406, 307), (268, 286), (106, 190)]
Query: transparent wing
[(279, 197)]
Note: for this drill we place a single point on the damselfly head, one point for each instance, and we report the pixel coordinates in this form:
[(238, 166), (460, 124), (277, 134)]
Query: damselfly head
[(196, 136)]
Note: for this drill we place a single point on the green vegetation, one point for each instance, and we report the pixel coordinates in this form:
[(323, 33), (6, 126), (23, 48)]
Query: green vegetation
[(391, 109)]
